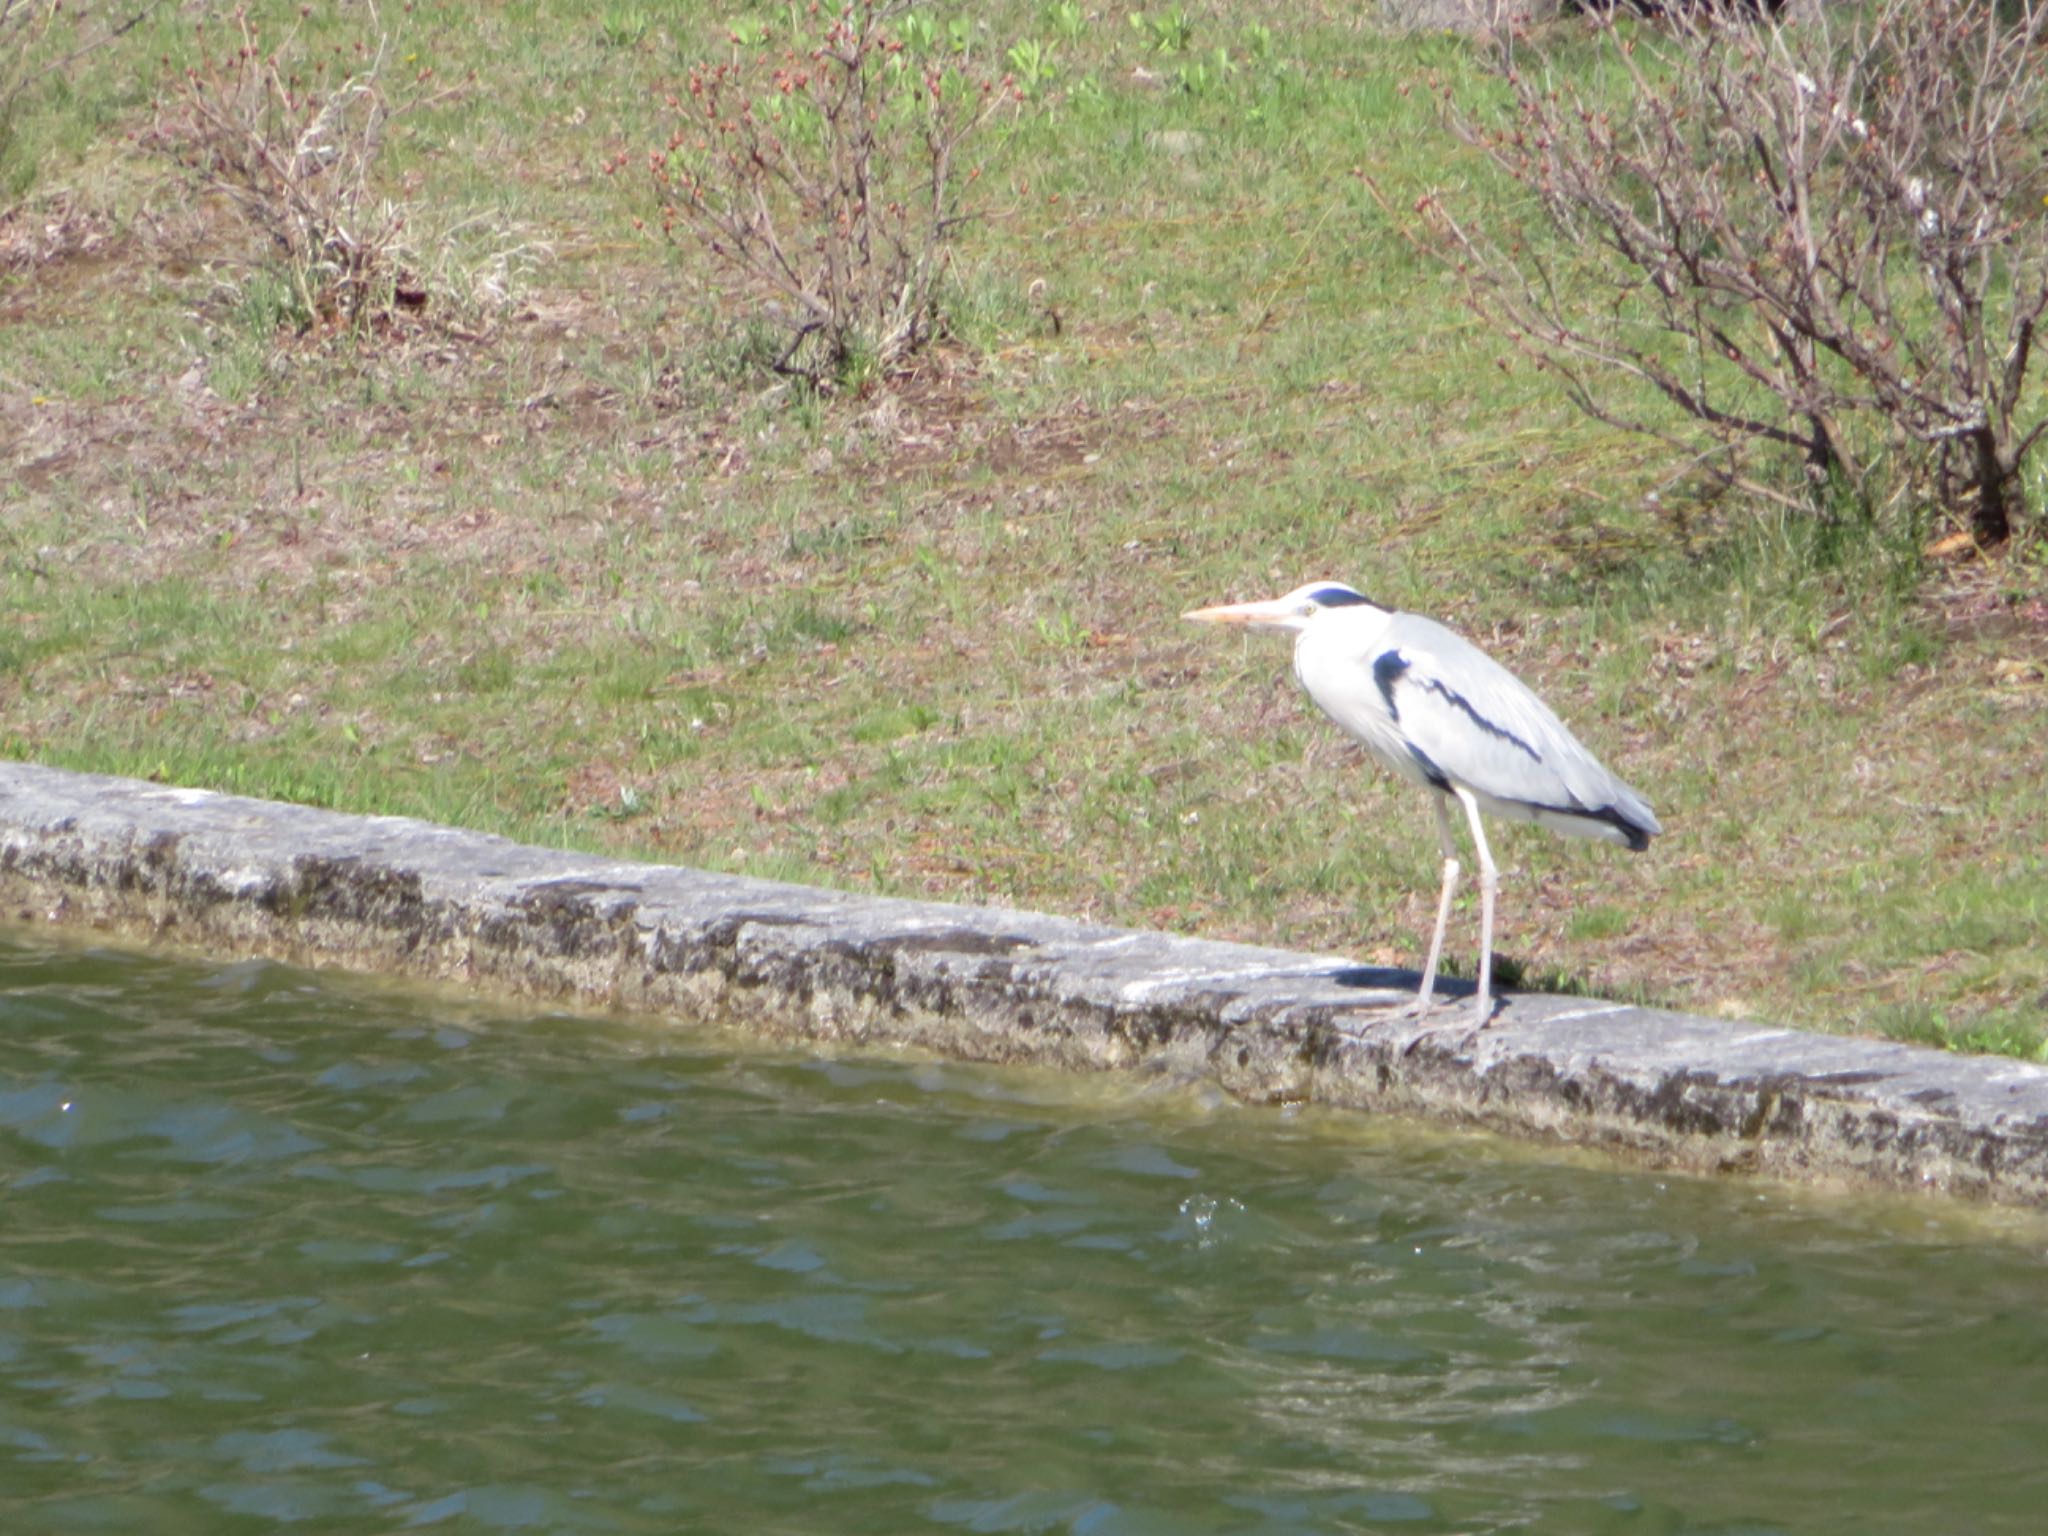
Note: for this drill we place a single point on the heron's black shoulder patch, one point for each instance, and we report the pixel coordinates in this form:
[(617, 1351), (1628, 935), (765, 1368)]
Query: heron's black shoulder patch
[(1339, 597), (1387, 668)]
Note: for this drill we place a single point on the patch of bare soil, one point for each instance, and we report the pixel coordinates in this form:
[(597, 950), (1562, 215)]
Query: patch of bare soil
[(52, 230), (937, 415), (1977, 602)]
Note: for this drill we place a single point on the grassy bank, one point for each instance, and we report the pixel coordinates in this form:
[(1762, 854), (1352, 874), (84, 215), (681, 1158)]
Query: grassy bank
[(552, 560)]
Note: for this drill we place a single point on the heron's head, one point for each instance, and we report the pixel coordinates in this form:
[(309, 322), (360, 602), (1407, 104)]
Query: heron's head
[(1291, 614)]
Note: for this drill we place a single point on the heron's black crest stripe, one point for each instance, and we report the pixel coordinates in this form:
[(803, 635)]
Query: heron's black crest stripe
[(1387, 668), (1339, 597)]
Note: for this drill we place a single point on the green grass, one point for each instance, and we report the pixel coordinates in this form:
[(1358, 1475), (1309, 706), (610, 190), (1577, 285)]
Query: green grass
[(560, 563)]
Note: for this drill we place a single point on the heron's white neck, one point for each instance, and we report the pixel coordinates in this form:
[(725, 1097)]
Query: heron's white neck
[(1356, 626)]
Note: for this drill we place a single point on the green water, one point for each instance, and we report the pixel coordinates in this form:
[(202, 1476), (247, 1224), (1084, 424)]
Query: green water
[(276, 1249)]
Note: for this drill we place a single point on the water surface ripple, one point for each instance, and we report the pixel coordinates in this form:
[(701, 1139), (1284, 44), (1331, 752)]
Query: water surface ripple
[(277, 1250)]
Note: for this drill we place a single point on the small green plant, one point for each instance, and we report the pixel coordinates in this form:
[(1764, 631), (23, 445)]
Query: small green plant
[(1032, 66), (1061, 631), (1199, 77), (919, 33), (1068, 20), (1089, 91), (631, 803), (1168, 32), (624, 26)]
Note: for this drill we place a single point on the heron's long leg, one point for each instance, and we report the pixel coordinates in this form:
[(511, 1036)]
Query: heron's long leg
[(1443, 904), (1489, 882)]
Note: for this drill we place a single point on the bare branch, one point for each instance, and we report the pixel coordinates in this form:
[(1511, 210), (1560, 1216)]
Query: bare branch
[(829, 176), (1821, 230), (297, 160)]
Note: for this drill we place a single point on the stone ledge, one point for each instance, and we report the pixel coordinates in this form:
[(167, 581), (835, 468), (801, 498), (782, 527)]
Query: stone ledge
[(377, 893)]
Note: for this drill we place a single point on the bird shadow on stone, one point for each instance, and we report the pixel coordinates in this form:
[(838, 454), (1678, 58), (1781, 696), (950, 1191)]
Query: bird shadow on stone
[(1387, 978)]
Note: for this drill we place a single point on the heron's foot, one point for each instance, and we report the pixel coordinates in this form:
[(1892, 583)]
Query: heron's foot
[(1481, 1010), (1447, 1021), (1426, 1006), (1440, 1015), (1373, 1017)]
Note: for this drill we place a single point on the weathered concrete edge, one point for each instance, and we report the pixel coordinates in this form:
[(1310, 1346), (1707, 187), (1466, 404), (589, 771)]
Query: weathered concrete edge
[(386, 894)]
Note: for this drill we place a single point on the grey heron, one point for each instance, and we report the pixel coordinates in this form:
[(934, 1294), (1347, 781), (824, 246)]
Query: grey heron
[(1432, 707)]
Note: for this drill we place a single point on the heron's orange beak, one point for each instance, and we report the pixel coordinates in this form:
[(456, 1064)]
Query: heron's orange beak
[(1271, 614)]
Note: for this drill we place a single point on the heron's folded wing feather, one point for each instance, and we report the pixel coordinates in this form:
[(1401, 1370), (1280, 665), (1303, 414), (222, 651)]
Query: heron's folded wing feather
[(1480, 726)]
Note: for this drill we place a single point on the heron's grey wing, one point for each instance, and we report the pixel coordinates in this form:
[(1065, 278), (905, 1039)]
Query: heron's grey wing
[(1459, 721), (1475, 723)]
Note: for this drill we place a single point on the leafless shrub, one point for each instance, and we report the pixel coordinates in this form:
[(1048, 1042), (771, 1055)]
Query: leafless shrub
[(293, 143), (830, 175), (1824, 231)]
